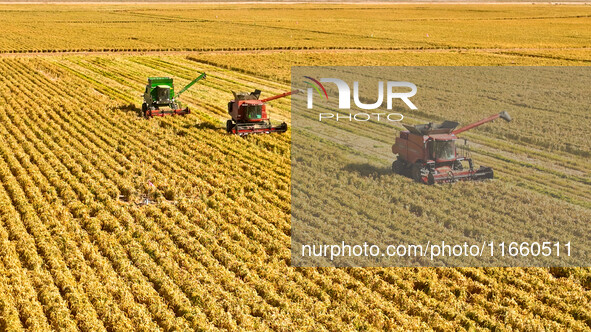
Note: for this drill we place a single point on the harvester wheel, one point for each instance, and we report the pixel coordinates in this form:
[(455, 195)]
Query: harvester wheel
[(431, 178), (397, 166), (229, 126), (145, 110), (418, 171)]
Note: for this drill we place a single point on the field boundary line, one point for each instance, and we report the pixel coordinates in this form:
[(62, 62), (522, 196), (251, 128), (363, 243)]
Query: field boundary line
[(12, 53)]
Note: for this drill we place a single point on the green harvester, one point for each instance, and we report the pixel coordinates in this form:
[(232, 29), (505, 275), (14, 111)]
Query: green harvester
[(160, 100)]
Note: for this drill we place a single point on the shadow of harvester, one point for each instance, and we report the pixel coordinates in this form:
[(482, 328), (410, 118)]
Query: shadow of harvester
[(368, 170), (130, 108)]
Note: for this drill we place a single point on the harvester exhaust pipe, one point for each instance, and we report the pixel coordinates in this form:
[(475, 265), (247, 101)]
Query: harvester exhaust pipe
[(256, 93)]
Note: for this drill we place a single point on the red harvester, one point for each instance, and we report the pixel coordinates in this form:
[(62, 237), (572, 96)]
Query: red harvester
[(249, 114), (427, 153)]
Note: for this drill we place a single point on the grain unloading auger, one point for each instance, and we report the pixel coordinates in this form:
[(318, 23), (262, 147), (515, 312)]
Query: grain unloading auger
[(249, 114), (160, 100), (427, 153)]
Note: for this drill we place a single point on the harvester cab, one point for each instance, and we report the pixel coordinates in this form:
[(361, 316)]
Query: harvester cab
[(160, 99), (428, 153), (249, 114)]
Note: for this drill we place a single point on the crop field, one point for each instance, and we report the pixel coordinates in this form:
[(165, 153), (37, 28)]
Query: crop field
[(81, 250)]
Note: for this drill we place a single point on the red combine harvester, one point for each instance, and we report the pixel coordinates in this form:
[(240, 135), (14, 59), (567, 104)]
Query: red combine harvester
[(249, 114), (427, 153)]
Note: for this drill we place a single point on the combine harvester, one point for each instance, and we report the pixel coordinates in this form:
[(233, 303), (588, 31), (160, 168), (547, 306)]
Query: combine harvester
[(249, 114), (427, 153), (160, 93)]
